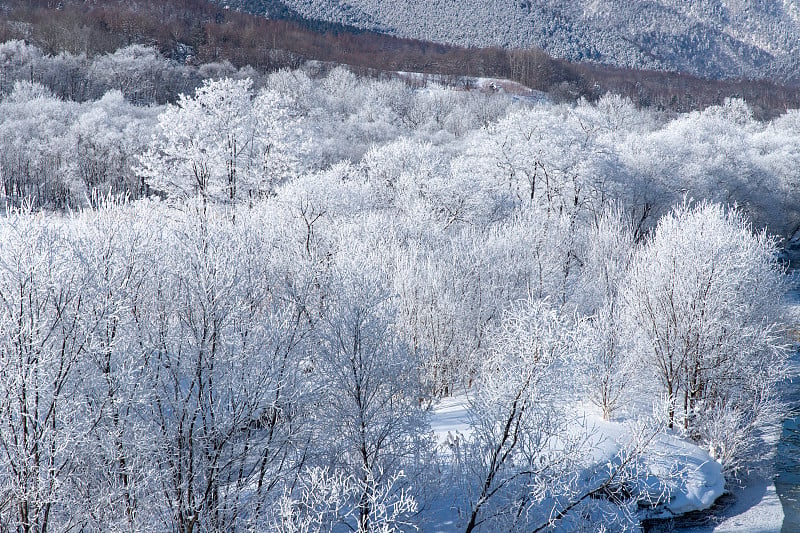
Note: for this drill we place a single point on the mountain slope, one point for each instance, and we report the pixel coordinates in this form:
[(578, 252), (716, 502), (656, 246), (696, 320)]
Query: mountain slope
[(713, 38)]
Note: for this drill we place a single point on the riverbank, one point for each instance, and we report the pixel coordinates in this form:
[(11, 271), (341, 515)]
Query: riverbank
[(669, 464), (755, 504), (756, 509), (752, 507)]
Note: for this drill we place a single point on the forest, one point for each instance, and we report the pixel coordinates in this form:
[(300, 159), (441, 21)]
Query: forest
[(233, 300), (198, 32)]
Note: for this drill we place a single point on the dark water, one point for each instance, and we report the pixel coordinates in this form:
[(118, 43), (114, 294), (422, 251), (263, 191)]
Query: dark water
[(787, 462)]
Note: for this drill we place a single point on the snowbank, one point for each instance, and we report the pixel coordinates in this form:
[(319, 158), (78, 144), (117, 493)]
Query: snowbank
[(672, 468), (693, 478)]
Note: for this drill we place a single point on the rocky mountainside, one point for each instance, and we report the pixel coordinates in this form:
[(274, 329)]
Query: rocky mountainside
[(710, 38)]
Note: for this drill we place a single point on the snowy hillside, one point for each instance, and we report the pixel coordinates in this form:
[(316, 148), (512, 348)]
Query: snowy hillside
[(713, 38)]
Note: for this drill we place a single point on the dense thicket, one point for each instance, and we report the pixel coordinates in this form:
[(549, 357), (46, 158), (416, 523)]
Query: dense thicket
[(317, 259), (192, 367), (61, 153)]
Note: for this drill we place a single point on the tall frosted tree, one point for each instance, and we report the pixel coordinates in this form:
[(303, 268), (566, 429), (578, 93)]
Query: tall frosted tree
[(226, 395), (220, 145), (704, 297), (373, 425), (42, 339)]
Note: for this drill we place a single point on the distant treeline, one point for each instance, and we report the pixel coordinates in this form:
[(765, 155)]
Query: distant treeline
[(198, 32)]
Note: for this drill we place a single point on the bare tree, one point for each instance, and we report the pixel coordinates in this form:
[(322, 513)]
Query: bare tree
[(42, 341), (370, 390)]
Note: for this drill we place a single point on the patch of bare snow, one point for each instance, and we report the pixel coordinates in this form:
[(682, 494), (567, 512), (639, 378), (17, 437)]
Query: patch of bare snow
[(763, 514), (450, 419)]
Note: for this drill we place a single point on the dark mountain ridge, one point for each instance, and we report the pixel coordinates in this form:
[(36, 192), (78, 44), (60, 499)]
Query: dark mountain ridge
[(708, 38)]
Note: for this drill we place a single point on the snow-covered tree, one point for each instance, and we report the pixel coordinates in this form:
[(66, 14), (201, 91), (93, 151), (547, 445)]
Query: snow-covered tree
[(222, 144), (608, 364), (704, 295), (107, 136), (43, 338), (372, 423), (326, 501), (113, 493), (33, 125), (522, 449), (219, 342)]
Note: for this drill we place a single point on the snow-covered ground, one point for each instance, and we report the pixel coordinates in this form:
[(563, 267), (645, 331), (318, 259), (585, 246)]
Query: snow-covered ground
[(757, 509), (515, 90), (450, 419), (754, 508)]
